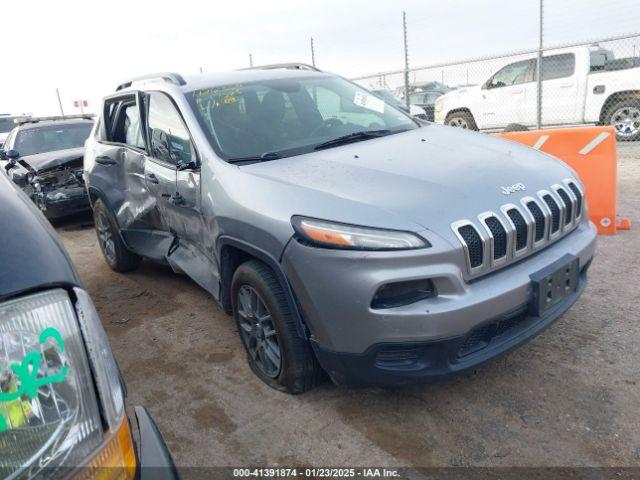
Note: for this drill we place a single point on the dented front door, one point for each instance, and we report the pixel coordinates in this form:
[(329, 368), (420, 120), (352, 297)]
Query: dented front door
[(174, 165)]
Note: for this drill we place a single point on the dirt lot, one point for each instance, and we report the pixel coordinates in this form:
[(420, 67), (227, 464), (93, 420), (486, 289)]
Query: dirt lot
[(568, 398)]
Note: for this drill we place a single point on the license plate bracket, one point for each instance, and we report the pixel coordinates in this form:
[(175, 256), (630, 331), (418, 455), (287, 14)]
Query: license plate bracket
[(554, 283)]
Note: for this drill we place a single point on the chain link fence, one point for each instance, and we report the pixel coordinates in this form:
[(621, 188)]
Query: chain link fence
[(594, 81)]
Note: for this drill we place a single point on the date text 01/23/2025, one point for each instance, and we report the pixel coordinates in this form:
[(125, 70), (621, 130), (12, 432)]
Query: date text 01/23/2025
[(283, 472)]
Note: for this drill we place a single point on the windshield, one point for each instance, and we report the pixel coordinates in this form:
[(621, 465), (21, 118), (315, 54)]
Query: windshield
[(51, 138), (291, 116), (6, 124), (389, 97)]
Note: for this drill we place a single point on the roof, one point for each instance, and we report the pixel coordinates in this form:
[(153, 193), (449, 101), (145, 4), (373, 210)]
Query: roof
[(46, 123), (198, 82)]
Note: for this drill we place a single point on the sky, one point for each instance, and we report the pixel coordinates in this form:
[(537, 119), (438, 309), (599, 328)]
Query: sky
[(85, 48)]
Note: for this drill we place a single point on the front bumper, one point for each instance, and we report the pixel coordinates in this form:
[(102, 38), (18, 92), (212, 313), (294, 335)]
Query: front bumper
[(335, 290), (394, 364), (64, 202)]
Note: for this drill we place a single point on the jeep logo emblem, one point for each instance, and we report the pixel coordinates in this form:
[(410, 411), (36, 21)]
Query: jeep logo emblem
[(516, 187)]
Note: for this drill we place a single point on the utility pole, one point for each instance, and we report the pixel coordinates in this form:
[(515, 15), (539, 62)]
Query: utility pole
[(59, 102), (313, 54), (406, 59), (250, 60), (539, 67)]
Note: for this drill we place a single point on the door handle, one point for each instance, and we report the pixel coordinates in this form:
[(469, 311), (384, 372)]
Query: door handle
[(152, 178), (105, 160)]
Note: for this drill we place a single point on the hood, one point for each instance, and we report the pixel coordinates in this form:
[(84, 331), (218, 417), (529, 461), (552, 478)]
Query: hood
[(47, 160), (431, 177), (460, 91), (31, 254)]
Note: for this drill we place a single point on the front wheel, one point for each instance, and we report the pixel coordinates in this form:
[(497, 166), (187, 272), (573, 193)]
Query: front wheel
[(275, 351), (461, 120), (624, 117)]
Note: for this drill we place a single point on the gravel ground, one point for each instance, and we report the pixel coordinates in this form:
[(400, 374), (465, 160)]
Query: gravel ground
[(570, 397)]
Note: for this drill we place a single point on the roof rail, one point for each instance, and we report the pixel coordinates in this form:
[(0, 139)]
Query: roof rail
[(287, 66), (23, 120), (170, 77)]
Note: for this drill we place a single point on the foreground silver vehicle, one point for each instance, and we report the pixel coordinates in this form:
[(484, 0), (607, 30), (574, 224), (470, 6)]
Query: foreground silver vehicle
[(342, 235)]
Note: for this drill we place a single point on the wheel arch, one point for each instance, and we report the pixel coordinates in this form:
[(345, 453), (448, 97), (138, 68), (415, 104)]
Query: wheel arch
[(460, 110), (232, 253), (96, 194), (615, 97)]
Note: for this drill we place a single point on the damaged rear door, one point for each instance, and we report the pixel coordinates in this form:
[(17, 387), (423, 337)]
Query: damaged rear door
[(118, 172), (173, 175)]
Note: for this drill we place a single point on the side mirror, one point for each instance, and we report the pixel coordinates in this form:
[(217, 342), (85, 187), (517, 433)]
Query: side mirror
[(12, 154), (160, 144), (182, 165)]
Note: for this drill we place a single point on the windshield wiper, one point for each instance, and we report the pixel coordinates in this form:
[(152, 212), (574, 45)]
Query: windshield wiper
[(265, 157), (354, 137)]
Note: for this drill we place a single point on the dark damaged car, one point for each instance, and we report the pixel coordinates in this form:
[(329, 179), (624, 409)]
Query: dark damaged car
[(44, 157), (62, 398)]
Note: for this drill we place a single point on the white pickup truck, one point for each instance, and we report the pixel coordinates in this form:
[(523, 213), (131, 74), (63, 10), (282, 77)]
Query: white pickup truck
[(583, 85)]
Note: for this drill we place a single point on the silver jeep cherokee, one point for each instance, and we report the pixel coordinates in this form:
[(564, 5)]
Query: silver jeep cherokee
[(342, 235)]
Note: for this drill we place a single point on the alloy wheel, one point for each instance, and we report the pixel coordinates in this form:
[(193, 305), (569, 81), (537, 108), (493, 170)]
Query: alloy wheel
[(458, 122), (258, 331), (105, 237), (626, 121)]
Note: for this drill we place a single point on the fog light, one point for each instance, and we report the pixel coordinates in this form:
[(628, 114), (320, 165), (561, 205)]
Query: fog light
[(403, 293), (398, 358)]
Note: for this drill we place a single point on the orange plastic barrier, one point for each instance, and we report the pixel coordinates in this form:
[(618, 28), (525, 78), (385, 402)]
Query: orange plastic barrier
[(591, 152)]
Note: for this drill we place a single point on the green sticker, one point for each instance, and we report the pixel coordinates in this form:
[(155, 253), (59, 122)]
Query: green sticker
[(27, 372)]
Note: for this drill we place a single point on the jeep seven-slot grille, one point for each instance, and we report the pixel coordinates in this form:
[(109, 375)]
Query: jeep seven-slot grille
[(578, 196), (555, 212), (499, 237), (568, 212), (521, 228), (538, 217), (474, 244)]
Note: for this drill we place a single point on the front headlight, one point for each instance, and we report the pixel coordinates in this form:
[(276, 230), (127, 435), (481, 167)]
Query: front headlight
[(327, 234), (50, 416)]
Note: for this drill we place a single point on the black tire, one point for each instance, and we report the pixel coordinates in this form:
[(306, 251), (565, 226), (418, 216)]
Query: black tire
[(116, 254), (462, 119), (515, 127), (624, 116), (299, 370)]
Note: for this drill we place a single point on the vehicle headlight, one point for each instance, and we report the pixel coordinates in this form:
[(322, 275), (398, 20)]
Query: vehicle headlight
[(328, 234), (50, 416)]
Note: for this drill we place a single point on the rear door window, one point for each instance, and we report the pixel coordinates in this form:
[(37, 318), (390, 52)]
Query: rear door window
[(558, 66), (128, 130)]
